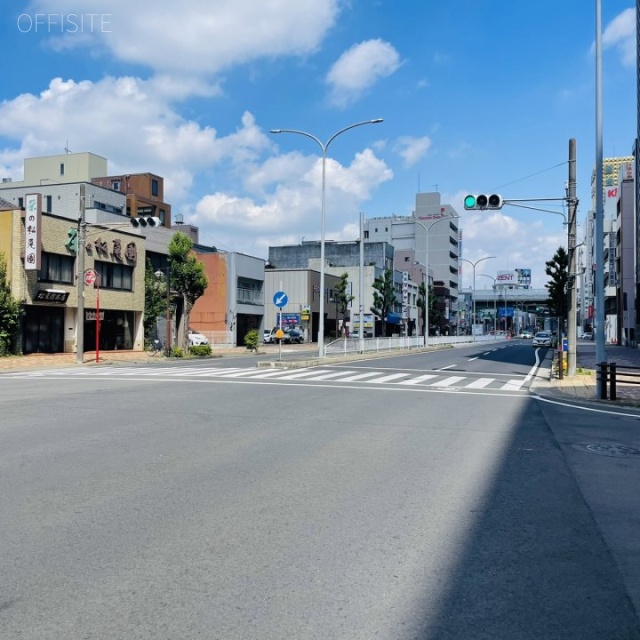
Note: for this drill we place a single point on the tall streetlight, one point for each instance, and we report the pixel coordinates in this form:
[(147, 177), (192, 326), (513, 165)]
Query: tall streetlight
[(495, 301), (324, 147), (473, 264), (426, 228)]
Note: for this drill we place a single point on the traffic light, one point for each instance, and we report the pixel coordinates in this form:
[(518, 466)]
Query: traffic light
[(145, 221), (72, 239), (483, 201)]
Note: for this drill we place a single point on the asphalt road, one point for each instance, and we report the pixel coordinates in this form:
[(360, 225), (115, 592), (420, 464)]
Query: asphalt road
[(177, 508)]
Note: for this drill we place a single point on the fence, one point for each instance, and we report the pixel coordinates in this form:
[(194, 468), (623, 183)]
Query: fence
[(219, 338), (611, 373), (353, 345)]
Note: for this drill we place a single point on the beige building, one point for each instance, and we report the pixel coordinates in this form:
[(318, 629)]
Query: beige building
[(44, 279)]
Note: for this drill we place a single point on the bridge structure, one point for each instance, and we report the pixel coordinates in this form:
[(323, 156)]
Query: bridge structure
[(507, 309)]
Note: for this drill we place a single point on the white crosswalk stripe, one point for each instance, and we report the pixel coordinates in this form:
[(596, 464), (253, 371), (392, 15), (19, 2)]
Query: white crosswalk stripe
[(436, 380)]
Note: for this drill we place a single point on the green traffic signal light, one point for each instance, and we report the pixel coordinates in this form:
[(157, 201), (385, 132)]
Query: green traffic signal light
[(470, 202)]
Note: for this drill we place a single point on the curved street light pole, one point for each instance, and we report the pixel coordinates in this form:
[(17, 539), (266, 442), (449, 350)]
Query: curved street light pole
[(495, 301), (324, 147), (426, 228), (473, 264)]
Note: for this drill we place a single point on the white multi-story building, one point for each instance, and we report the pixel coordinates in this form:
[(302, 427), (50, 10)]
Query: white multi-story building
[(425, 243)]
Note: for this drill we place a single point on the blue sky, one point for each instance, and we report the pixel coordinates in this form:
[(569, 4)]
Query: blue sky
[(476, 96)]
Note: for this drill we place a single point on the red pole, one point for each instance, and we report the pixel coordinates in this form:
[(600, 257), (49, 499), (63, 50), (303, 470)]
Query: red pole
[(98, 319)]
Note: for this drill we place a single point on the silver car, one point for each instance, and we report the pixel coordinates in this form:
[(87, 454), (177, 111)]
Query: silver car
[(541, 339)]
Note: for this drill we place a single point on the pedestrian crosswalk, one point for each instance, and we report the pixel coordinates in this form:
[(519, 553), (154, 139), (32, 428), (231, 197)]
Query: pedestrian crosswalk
[(435, 379)]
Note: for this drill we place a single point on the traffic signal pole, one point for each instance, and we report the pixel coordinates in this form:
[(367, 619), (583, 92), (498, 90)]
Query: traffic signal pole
[(572, 315), (82, 236)]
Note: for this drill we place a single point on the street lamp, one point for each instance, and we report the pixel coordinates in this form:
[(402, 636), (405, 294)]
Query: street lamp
[(426, 228), (473, 264), (495, 302), (324, 148)]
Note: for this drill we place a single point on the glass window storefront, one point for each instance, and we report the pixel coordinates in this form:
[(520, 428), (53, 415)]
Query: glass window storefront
[(116, 330)]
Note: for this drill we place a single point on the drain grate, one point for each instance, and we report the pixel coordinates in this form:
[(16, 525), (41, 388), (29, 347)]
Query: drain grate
[(613, 449)]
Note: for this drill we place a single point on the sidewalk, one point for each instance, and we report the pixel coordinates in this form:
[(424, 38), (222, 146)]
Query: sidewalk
[(582, 386)]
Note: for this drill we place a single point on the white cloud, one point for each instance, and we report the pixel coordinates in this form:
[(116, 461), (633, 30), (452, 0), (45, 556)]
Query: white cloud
[(620, 33), (359, 68), (292, 209), (104, 117), (200, 36), (412, 149)]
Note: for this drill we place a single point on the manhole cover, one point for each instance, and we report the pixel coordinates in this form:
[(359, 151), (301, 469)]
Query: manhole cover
[(609, 449)]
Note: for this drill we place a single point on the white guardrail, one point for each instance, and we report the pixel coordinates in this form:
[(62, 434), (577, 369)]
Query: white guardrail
[(354, 345)]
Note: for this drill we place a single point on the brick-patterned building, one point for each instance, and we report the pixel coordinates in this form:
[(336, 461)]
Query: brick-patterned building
[(49, 294)]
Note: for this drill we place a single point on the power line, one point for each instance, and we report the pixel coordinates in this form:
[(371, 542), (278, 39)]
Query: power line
[(555, 166)]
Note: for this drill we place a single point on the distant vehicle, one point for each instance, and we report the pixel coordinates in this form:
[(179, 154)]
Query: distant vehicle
[(587, 335), (541, 339), (527, 335), (293, 336), (194, 339), (267, 336)]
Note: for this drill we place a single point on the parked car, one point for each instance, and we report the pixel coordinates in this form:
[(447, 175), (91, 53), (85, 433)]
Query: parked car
[(194, 338), (541, 339), (293, 336), (267, 336)]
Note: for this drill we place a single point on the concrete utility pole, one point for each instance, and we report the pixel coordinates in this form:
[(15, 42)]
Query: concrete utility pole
[(82, 237), (598, 251), (572, 315)]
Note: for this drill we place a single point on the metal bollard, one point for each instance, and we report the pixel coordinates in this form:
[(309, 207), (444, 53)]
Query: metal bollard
[(602, 380), (612, 381), (560, 365)]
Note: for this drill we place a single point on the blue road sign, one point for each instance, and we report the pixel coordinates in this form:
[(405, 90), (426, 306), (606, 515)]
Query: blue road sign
[(280, 299)]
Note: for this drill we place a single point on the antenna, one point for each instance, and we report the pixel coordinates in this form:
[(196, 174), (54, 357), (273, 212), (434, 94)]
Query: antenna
[(66, 147)]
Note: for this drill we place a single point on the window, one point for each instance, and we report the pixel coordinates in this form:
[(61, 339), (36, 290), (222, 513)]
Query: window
[(163, 216), (115, 185), (56, 268), (48, 203), (21, 203), (62, 168), (115, 276), (366, 233), (154, 188)]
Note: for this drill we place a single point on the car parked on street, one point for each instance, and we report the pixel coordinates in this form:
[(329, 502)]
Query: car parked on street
[(541, 339), (267, 336), (293, 336), (195, 339)]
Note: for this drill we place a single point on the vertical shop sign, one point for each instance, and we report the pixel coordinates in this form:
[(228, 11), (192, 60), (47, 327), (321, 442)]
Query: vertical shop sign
[(32, 223)]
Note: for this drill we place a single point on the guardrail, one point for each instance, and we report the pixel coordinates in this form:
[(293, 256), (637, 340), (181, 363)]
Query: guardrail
[(609, 373), (375, 345)]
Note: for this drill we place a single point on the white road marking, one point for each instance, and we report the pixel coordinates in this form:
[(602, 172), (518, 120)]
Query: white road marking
[(513, 385), (449, 366), (447, 382), (480, 383), (393, 376), (360, 376), (419, 379)]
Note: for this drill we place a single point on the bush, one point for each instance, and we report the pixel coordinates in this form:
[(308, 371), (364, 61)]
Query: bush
[(200, 350), (177, 352), (251, 339)]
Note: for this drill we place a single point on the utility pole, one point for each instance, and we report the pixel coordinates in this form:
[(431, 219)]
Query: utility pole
[(572, 292), (82, 236)]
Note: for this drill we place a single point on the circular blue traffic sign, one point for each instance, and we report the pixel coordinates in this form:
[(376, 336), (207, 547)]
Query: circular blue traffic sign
[(280, 299)]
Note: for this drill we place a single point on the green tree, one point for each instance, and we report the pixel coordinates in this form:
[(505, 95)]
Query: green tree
[(188, 278), (434, 313), (558, 271), (10, 313), (341, 297), (384, 298), (155, 300)]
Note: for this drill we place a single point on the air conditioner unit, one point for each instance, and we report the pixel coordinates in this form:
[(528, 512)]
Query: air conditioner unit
[(5, 180)]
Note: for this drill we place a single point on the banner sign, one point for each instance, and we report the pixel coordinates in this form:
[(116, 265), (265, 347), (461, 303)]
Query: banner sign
[(32, 224), (507, 277)]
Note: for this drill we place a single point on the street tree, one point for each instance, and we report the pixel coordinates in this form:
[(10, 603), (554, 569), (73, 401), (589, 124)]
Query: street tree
[(434, 312), (342, 298), (558, 271), (384, 298), (155, 300), (10, 313), (188, 277)]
